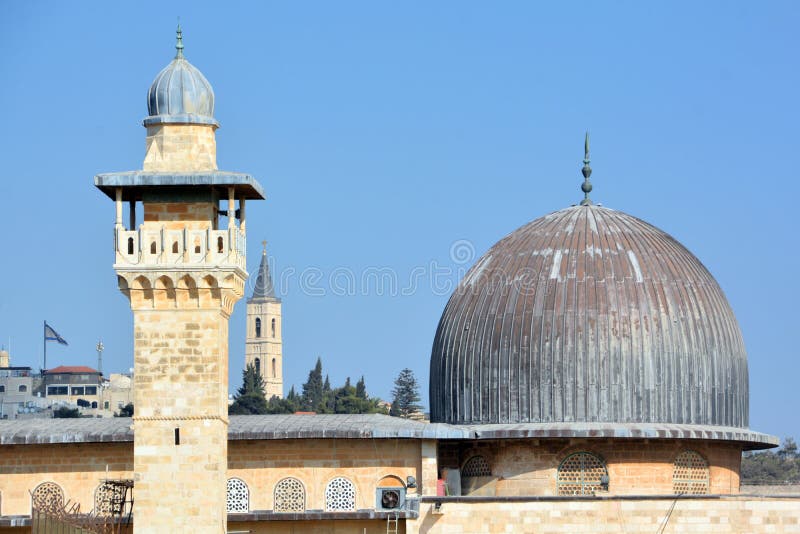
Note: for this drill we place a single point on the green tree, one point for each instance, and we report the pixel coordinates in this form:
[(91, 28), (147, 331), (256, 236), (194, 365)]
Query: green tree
[(63, 412), (125, 411), (250, 398), (405, 394), (772, 467), (313, 389), (361, 389)]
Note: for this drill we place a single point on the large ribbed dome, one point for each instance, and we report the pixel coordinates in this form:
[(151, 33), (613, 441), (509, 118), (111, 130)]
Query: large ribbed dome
[(180, 94), (589, 315)]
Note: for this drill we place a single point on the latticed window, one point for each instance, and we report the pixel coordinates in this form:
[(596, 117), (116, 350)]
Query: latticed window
[(238, 497), (290, 496), (109, 499), (690, 474), (48, 496), (581, 474), (340, 495), (477, 466)]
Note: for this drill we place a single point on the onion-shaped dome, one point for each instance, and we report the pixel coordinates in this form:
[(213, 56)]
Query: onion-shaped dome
[(180, 94), (589, 315)]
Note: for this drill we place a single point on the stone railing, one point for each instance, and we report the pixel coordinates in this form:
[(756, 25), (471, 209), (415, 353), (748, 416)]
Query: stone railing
[(154, 247)]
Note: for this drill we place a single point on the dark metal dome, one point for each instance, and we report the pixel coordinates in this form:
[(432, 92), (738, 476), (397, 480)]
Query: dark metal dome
[(589, 315)]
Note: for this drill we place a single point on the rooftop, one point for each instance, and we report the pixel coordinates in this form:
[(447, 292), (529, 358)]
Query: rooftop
[(76, 369), (368, 426)]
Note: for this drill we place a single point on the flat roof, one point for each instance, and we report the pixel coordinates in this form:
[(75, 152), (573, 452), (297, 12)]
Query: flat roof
[(134, 183), (371, 426)]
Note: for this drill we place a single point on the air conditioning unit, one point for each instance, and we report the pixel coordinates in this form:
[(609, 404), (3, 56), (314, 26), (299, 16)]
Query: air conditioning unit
[(390, 498)]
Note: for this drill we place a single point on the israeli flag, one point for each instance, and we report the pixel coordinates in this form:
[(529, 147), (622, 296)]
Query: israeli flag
[(52, 335)]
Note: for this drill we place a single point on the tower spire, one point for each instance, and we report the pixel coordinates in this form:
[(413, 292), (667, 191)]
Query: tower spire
[(179, 42), (586, 187)]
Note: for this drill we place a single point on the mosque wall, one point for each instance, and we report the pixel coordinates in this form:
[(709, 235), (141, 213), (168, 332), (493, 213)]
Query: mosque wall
[(635, 467), (729, 515)]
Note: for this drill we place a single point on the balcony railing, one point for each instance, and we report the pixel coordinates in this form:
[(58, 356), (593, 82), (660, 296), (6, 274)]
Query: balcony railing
[(175, 248)]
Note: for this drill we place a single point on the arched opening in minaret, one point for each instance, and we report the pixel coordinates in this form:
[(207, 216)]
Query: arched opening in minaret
[(220, 245), (153, 247), (130, 245), (274, 367), (258, 366), (258, 327), (273, 327), (175, 247)]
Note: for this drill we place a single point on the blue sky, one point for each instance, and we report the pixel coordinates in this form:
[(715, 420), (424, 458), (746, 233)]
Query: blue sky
[(385, 134)]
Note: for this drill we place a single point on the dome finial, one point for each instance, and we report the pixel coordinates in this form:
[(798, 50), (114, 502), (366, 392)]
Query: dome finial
[(264, 244), (586, 187), (179, 43)]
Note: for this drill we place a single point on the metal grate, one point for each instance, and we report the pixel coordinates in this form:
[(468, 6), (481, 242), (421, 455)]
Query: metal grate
[(340, 495), (238, 497), (580, 474), (477, 466), (48, 496), (690, 474), (290, 496)]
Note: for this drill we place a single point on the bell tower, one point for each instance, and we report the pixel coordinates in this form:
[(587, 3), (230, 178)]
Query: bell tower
[(264, 347), (182, 266)]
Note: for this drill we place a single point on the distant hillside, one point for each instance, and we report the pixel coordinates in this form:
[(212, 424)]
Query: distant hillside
[(781, 466)]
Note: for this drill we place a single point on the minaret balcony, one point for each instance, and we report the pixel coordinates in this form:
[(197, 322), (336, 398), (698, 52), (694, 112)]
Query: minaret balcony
[(163, 248)]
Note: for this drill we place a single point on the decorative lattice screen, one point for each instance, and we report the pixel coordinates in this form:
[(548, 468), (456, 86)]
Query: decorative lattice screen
[(340, 495), (690, 474), (477, 466), (238, 497), (108, 499), (579, 474), (48, 496), (290, 496)]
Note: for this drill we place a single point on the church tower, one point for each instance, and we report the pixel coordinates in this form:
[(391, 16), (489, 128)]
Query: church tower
[(264, 347), (181, 264)]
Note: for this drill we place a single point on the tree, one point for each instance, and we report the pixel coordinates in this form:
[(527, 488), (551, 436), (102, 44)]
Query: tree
[(313, 389), (125, 411), (250, 398), (63, 412), (361, 389), (768, 467), (405, 394)]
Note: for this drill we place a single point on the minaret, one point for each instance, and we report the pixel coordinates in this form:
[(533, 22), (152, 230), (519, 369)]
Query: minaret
[(182, 271), (264, 348)]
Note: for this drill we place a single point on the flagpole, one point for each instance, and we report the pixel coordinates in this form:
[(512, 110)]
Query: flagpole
[(44, 342)]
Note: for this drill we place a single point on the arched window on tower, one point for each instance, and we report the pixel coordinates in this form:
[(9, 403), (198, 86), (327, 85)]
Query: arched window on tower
[(274, 367), (582, 473), (258, 327), (220, 245), (130, 245), (258, 365), (174, 247), (273, 327)]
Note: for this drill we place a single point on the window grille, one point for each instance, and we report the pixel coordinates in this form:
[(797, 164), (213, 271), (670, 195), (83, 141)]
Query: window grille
[(477, 466), (690, 474), (580, 474), (109, 499), (48, 496), (340, 495), (290, 496), (238, 497)]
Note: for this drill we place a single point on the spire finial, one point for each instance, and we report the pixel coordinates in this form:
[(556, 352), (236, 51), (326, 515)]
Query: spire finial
[(179, 43), (264, 244), (586, 187)]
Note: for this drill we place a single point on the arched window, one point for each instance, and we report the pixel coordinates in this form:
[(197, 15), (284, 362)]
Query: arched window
[(94, 404), (290, 496), (238, 497), (2, 389), (690, 474), (175, 247), (153, 247), (258, 365), (273, 327), (477, 466), (581, 473), (130, 245), (340, 495), (220, 245), (23, 388), (48, 496), (274, 369), (258, 327)]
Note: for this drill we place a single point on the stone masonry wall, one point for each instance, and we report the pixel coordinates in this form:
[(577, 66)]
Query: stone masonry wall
[(635, 467), (180, 148)]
